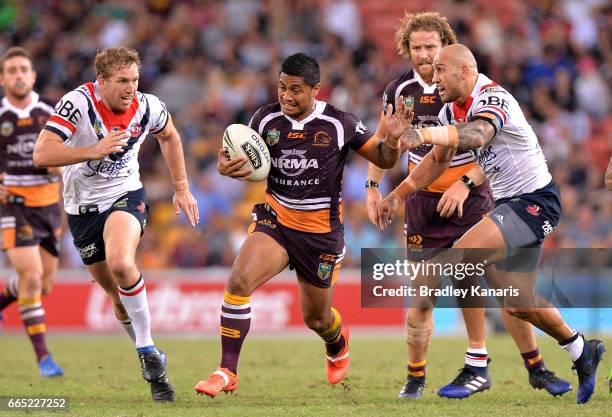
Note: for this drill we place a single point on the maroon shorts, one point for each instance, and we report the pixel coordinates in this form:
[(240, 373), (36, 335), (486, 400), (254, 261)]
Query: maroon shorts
[(424, 228), (30, 226), (316, 257)]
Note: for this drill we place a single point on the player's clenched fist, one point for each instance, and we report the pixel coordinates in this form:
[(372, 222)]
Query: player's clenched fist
[(110, 144)]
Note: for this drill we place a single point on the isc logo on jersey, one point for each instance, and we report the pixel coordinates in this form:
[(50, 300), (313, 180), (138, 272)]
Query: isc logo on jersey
[(294, 162), (243, 142)]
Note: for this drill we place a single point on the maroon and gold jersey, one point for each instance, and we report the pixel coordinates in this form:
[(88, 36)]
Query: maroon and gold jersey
[(427, 106), (308, 158), (19, 129)]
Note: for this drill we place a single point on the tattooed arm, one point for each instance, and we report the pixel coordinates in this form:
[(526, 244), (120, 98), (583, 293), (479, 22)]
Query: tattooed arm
[(474, 134), (462, 136)]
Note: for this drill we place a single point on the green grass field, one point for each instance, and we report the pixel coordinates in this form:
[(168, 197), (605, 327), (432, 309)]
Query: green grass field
[(287, 378)]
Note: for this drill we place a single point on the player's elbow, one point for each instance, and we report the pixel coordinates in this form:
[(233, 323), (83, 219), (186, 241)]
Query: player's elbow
[(38, 158)]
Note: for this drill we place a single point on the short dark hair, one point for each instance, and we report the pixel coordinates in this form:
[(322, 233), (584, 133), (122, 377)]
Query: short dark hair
[(302, 65), (13, 52)]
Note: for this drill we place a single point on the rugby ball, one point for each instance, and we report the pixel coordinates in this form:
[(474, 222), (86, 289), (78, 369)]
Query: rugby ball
[(243, 142)]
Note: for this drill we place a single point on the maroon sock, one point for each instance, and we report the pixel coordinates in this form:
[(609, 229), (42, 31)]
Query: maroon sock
[(235, 324), (33, 317), (533, 359)]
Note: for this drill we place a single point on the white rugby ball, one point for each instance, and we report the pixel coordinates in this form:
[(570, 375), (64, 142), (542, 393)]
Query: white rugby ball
[(243, 142)]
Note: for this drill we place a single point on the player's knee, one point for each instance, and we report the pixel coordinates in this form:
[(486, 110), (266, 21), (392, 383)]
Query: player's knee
[(239, 283), (316, 323), (523, 313), (121, 265), (29, 282), (418, 316)]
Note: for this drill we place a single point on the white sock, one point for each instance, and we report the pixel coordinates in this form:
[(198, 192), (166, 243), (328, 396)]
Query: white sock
[(134, 300), (477, 357), (129, 329), (576, 347)]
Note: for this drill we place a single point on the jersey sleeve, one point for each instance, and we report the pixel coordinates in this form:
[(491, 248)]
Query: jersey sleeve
[(492, 106), (68, 113), (356, 134), (256, 119), (159, 114), (389, 96)]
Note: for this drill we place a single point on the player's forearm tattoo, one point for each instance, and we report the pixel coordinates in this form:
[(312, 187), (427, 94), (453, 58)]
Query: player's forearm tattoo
[(388, 154), (472, 135), (410, 139)]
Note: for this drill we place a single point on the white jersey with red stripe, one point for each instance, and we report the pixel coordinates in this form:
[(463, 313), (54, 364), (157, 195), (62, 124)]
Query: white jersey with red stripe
[(82, 119), (513, 160)]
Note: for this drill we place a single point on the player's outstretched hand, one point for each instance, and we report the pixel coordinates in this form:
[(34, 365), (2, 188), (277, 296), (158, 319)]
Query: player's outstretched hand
[(110, 144), (3, 189), (184, 200), (453, 199), (372, 198), (231, 167), (385, 210), (395, 124)]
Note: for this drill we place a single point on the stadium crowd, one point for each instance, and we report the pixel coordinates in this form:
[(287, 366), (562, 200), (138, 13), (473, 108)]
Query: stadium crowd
[(215, 62)]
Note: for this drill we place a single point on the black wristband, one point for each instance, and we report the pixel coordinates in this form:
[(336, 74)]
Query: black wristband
[(468, 181), (371, 184)]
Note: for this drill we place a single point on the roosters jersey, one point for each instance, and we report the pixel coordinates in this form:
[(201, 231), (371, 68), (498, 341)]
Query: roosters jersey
[(19, 129), (308, 157), (82, 119), (513, 160), (427, 105)]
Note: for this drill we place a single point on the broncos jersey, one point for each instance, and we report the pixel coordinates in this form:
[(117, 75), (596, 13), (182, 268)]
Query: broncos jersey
[(513, 160), (427, 105), (82, 119), (19, 129), (308, 157)]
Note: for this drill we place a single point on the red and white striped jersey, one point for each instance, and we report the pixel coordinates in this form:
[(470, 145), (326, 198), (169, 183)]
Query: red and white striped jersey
[(82, 119), (513, 160)]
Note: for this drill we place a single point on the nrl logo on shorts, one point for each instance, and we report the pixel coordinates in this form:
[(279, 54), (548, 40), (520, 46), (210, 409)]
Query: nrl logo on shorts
[(121, 203), (6, 128), (324, 270), (272, 137)]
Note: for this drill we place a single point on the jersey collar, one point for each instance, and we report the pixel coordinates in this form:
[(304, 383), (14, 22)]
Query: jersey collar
[(22, 113), (427, 89), (299, 124)]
